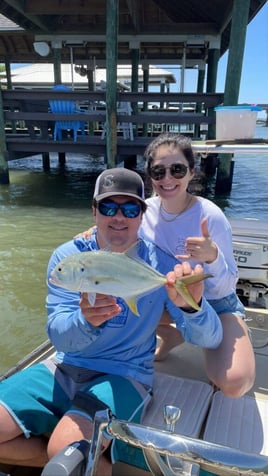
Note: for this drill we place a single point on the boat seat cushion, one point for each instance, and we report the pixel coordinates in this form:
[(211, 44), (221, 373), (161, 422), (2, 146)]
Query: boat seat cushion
[(240, 423), (193, 397)]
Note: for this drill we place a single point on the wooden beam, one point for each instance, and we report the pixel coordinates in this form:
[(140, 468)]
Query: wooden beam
[(65, 7), (236, 51), (4, 174), (35, 20), (111, 80), (209, 99), (134, 13), (99, 116), (233, 75)]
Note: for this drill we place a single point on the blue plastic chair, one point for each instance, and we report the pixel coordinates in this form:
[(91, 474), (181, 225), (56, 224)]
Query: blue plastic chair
[(65, 107)]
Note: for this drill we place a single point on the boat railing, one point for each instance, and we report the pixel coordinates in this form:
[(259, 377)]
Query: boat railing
[(207, 147), (160, 447), (42, 352)]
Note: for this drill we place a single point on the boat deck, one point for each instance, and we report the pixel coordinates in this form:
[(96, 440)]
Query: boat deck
[(181, 380), (187, 360), (238, 423)]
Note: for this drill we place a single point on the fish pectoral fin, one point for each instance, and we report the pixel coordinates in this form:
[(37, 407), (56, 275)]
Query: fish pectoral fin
[(181, 286), (132, 304), (91, 298)]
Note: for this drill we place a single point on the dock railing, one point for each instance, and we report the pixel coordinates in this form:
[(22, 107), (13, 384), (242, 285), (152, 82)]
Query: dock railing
[(29, 124)]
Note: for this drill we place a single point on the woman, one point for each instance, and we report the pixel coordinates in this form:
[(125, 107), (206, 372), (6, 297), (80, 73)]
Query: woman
[(194, 228)]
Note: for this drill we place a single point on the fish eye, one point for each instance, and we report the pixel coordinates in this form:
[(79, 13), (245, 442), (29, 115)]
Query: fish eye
[(96, 282), (82, 269), (59, 269)]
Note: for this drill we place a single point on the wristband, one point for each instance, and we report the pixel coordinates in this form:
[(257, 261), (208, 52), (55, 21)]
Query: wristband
[(191, 310)]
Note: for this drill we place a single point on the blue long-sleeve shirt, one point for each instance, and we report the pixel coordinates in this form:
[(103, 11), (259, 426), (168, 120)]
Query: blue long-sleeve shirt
[(125, 344)]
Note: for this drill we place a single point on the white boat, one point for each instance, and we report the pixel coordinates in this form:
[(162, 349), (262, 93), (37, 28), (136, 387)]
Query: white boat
[(190, 429)]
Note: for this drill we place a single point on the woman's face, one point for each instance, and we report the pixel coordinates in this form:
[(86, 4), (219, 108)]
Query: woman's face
[(169, 186)]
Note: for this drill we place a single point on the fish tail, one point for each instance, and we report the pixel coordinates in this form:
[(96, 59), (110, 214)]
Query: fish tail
[(181, 286)]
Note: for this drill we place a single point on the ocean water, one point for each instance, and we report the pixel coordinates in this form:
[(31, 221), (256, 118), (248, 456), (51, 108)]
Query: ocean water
[(40, 210), (249, 194)]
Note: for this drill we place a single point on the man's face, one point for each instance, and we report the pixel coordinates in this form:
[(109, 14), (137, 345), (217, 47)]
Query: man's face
[(117, 232)]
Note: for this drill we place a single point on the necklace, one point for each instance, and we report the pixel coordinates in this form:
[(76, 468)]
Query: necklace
[(162, 211)]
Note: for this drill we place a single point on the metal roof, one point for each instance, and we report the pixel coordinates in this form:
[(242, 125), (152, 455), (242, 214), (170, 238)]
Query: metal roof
[(161, 28), (42, 75)]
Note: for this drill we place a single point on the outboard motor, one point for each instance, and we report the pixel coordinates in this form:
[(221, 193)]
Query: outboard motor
[(250, 247)]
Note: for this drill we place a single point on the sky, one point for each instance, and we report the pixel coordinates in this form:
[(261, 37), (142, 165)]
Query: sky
[(254, 77)]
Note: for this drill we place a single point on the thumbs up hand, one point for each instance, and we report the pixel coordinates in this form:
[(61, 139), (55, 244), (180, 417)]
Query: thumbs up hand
[(200, 248)]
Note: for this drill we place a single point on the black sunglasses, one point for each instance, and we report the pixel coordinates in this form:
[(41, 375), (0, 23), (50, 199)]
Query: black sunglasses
[(110, 209), (158, 172)]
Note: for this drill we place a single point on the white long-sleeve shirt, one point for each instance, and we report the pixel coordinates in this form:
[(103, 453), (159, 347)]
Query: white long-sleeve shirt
[(170, 236)]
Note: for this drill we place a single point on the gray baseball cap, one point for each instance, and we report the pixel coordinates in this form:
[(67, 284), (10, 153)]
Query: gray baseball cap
[(119, 181)]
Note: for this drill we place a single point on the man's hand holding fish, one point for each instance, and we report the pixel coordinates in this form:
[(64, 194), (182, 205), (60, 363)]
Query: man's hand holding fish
[(104, 308), (196, 289)]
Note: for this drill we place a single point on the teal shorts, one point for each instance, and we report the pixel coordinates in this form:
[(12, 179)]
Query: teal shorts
[(39, 396)]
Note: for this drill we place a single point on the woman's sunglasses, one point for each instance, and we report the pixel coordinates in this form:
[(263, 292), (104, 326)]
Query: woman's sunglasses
[(158, 172), (110, 209)]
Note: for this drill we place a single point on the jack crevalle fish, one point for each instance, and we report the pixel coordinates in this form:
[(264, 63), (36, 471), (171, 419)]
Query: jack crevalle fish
[(116, 274)]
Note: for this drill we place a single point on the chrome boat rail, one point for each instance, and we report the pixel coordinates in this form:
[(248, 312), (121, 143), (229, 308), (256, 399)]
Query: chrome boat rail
[(101, 420), (210, 456)]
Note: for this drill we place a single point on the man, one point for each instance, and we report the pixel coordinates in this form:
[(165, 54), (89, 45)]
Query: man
[(104, 351)]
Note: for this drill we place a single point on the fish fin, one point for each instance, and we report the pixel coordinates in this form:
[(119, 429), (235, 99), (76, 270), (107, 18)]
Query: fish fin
[(91, 298), (188, 298), (181, 286), (132, 304), (132, 251), (194, 278)]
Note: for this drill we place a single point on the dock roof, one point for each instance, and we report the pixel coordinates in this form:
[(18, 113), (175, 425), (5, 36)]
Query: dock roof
[(160, 28)]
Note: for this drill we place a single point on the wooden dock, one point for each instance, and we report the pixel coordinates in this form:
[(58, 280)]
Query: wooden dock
[(28, 127), (29, 124)]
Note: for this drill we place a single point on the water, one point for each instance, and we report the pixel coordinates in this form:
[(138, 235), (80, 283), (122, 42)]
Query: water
[(249, 195), (39, 210)]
